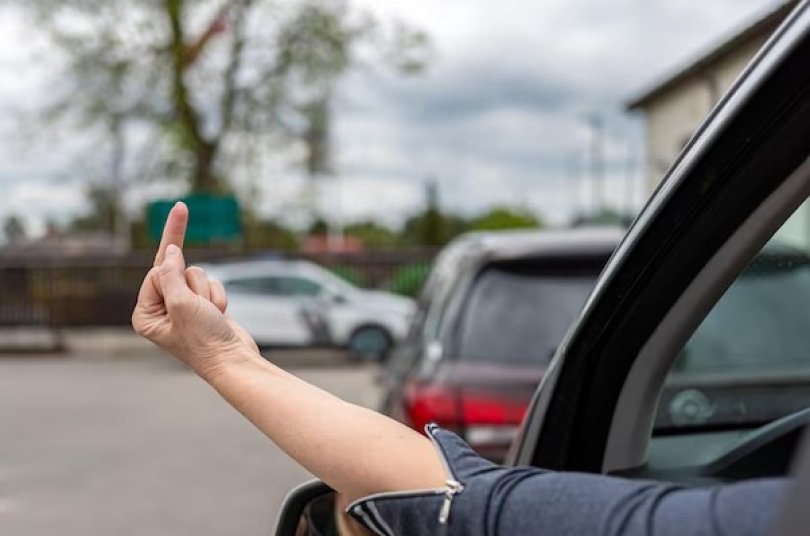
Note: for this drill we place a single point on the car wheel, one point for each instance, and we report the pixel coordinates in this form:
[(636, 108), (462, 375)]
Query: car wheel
[(370, 343)]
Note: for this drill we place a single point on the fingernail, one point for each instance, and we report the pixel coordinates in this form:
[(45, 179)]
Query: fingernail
[(172, 250)]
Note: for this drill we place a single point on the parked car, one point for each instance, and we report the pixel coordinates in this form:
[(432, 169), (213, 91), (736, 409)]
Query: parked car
[(492, 314), (298, 303), (742, 181)]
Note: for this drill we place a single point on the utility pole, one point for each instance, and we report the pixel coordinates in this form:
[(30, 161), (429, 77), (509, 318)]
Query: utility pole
[(629, 185), (595, 128), (573, 174)]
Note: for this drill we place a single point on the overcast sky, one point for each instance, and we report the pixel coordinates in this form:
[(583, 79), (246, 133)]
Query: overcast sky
[(500, 117)]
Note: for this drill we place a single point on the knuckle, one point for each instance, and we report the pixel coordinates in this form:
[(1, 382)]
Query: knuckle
[(181, 305), (165, 270)]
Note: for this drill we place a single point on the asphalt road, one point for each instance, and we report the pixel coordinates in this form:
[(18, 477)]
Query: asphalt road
[(138, 445)]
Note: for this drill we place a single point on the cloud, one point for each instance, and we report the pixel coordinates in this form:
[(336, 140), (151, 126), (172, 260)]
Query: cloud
[(500, 117), (502, 114)]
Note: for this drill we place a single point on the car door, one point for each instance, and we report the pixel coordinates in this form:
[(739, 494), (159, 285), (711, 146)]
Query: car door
[(737, 183), (270, 308)]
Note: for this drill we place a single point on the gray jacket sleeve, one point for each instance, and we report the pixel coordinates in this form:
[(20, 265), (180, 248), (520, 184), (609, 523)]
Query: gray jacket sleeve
[(482, 498)]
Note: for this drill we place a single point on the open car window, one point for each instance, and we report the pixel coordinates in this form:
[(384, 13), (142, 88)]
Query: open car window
[(737, 396), (748, 363)]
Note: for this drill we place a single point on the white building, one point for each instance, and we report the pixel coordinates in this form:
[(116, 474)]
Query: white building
[(674, 107)]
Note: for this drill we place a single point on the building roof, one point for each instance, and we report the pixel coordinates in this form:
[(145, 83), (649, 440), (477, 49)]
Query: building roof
[(762, 27)]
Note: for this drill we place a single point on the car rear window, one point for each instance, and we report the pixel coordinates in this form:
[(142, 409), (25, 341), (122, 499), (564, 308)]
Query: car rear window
[(519, 312)]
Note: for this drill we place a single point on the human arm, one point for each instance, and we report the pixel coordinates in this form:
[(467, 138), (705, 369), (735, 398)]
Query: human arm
[(360, 453), (498, 500), (353, 449)]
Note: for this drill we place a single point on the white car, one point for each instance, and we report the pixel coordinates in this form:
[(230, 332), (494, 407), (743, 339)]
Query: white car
[(298, 303)]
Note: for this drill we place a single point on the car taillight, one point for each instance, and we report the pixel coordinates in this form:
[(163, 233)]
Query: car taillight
[(485, 421), (427, 404)]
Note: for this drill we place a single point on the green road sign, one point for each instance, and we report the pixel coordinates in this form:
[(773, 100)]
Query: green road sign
[(212, 219)]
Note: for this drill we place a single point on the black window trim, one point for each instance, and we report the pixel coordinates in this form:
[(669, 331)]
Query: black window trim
[(754, 140)]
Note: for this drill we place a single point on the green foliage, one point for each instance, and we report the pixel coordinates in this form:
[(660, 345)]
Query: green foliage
[(320, 227), (373, 235), (432, 228), (139, 235), (604, 218), (263, 234), (502, 218), (270, 234), (347, 273), (209, 83), (103, 211), (409, 279)]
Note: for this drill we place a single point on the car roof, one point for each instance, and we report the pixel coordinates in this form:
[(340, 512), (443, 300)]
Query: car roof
[(470, 252), (506, 245), (248, 268)]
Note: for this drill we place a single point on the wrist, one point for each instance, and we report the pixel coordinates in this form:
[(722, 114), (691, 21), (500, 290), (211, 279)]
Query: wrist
[(227, 360)]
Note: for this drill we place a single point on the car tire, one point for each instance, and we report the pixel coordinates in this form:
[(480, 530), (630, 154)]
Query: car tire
[(369, 343)]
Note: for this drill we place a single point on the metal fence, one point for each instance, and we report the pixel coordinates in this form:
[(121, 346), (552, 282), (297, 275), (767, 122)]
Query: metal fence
[(101, 291)]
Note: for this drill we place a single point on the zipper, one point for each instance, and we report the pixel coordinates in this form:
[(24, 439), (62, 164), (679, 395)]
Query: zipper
[(452, 486)]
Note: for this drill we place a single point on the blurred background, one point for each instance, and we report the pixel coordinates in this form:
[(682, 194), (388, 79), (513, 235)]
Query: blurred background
[(328, 151)]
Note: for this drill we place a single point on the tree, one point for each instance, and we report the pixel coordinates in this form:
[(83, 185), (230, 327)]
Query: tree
[(269, 234), (13, 229), (605, 217), (208, 84), (372, 234), (432, 227), (104, 211), (501, 218)]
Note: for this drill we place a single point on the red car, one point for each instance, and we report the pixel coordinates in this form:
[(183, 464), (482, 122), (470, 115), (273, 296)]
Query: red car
[(491, 316)]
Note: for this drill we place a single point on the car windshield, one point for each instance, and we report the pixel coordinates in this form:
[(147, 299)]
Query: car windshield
[(333, 282), (519, 314)]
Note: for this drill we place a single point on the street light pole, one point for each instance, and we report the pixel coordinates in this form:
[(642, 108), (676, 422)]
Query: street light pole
[(597, 161)]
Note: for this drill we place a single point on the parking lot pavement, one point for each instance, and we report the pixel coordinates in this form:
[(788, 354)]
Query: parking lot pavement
[(139, 445)]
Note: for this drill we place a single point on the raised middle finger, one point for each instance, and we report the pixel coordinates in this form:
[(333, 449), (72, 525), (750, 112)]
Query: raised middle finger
[(174, 232)]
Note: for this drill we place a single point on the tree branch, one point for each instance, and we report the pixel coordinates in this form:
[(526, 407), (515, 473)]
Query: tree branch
[(187, 115), (229, 95)]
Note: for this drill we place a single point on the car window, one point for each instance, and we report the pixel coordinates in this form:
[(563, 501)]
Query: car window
[(297, 286), (276, 286), (748, 362), (253, 285), (520, 313)]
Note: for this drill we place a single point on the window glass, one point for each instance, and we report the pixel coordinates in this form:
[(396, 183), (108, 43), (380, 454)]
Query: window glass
[(253, 285), (521, 315), (748, 363), (278, 286), (298, 286)]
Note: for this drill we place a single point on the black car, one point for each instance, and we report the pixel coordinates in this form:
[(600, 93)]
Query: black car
[(741, 183), (493, 312)]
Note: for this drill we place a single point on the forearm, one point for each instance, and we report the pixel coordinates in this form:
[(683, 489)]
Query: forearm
[(355, 450)]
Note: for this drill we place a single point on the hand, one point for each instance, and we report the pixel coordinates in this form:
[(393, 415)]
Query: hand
[(183, 311)]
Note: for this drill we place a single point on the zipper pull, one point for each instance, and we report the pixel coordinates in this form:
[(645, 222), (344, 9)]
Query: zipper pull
[(453, 488)]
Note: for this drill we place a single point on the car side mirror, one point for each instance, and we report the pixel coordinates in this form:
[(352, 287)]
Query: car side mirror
[(315, 509), (306, 511)]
